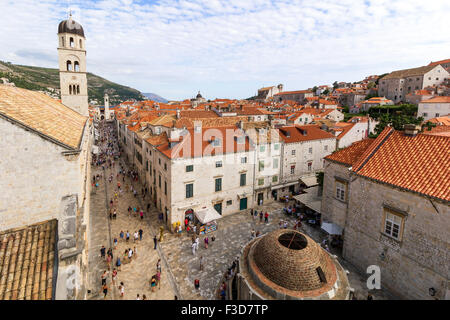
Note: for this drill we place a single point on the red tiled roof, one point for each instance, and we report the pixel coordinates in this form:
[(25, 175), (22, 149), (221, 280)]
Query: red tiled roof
[(439, 62), (442, 130), (438, 99), (351, 154), (296, 133), (27, 262), (292, 92), (445, 120), (190, 148), (419, 164)]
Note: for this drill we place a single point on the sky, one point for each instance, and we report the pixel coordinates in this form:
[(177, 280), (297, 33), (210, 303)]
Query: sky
[(230, 48)]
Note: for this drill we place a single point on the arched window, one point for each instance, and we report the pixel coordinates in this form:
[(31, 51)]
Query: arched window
[(70, 89), (72, 43), (78, 89), (81, 44), (62, 41), (69, 65), (76, 66)]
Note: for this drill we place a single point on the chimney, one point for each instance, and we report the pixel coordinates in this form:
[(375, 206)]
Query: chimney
[(411, 129), (197, 126), (178, 113)]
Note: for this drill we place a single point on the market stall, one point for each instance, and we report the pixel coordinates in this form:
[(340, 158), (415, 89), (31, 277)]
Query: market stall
[(207, 218)]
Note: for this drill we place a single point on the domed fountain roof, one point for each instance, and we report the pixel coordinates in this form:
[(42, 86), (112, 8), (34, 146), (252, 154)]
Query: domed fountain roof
[(294, 261)]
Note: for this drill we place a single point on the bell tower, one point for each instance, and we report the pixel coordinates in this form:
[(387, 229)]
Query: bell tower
[(107, 116), (72, 66)]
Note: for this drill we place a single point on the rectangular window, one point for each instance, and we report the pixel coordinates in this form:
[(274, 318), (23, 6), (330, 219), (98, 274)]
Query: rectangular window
[(244, 160), (261, 165), (218, 164), (243, 179), (165, 166), (159, 181), (189, 190), (310, 150), (146, 165), (293, 152), (325, 148), (159, 161), (229, 202), (340, 190), (277, 145), (262, 148), (190, 168), (292, 169), (218, 184), (309, 166), (275, 179), (392, 224), (260, 182), (165, 188), (275, 163)]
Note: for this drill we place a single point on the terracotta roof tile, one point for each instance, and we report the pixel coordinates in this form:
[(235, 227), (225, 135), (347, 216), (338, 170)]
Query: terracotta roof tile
[(43, 114), (27, 261), (408, 72), (438, 99), (188, 148), (351, 154), (420, 164), (293, 134)]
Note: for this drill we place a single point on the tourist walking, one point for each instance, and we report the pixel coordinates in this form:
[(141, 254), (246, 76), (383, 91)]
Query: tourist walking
[(105, 290), (260, 216), (140, 234), (114, 276), (155, 241), (122, 289), (206, 240), (104, 276), (102, 252), (158, 265), (266, 217)]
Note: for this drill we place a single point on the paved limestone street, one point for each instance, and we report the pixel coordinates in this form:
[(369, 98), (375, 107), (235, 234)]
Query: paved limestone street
[(179, 266)]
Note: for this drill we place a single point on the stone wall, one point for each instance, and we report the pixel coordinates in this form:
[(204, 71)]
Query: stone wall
[(418, 261), (35, 177), (333, 209)]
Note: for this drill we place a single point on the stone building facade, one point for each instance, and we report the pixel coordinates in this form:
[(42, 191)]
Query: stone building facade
[(391, 197), (396, 85), (45, 176)]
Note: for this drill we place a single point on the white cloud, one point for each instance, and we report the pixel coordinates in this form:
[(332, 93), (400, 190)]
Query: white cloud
[(229, 48)]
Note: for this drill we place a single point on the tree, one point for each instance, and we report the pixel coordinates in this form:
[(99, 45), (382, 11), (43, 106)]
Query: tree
[(314, 89), (371, 85), (326, 92)]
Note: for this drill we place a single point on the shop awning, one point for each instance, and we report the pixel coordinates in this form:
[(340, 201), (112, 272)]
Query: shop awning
[(207, 215), (309, 181), (331, 228), (284, 185), (310, 199)]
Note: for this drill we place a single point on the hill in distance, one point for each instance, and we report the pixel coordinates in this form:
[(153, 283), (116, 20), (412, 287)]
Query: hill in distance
[(47, 80), (155, 97)]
